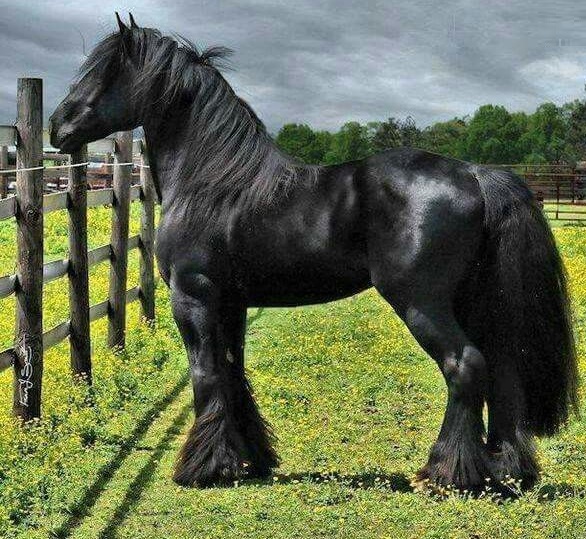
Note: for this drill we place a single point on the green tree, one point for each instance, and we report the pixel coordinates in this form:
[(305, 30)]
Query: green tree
[(394, 133), (301, 142), (552, 134), (446, 138), (512, 134), (575, 113), (385, 135), (351, 142), (488, 137), (323, 143), (545, 138), (411, 135)]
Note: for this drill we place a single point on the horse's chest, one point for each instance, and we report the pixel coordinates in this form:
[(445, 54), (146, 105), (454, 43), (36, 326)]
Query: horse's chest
[(196, 249)]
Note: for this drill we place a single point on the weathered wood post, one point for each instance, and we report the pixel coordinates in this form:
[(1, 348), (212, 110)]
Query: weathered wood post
[(147, 237), (119, 239), (107, 161), (3, 166), (79, 300), (28, 366)]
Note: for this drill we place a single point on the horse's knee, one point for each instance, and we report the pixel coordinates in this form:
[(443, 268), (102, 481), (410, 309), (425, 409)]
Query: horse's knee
[(465, 372), (462, 364), (204, 380)]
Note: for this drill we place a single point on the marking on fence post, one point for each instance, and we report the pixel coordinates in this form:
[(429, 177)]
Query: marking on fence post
[(79, 301), (147, 238), (119, 240), (27, 372), (28, 364)]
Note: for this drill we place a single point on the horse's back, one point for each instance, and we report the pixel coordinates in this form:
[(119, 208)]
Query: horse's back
[(415, 173)]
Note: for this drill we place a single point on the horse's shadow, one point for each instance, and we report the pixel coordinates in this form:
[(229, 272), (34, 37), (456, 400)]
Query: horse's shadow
[(548, 492), (399, 482), (395, 482), (391, 482)]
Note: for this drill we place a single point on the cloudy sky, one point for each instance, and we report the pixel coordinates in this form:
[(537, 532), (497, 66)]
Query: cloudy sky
[(324, 62)]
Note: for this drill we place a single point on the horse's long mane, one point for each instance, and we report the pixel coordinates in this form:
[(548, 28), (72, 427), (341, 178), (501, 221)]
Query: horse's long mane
[(227, 151)]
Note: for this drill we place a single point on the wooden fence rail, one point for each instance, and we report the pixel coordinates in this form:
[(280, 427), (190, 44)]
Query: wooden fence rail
[(28, 207)]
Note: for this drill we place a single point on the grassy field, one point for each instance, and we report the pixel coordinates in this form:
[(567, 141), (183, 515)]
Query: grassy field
[(354, 401)]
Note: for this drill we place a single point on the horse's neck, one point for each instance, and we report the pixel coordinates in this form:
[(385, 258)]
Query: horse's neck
[(184, 171), (159, 161), (218, 149), (168, 149)]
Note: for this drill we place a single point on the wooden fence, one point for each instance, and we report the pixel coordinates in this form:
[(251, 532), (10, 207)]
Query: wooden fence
[(98, 174), (28, 206), (561, 188)]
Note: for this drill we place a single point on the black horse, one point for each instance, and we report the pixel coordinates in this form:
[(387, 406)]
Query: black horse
[(461, 252)]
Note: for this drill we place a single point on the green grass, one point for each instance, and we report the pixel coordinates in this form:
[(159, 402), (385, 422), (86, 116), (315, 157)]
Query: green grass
[(354, 401)]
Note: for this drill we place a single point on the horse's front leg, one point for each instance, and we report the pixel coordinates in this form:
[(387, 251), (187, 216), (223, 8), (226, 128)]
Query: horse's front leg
[(254, 430), (223, 444)]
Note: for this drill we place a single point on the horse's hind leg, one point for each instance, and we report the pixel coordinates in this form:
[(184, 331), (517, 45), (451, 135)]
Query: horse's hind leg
[(418, 261), (459, 457), (511, 447)]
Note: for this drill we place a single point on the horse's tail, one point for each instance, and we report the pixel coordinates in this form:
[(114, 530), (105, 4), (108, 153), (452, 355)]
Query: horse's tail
[(521, 306)]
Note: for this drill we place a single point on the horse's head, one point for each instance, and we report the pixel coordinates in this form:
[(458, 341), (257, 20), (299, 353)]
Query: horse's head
[(102, 100)]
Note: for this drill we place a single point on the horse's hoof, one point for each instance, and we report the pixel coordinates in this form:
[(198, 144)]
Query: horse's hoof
[(512, 473), (424, 483), (222, 478), (254, 472), (421, 480), (428, 480), (221, 474)]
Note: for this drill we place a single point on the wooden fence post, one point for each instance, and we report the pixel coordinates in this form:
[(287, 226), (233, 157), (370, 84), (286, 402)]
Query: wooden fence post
[(79, 300), (108, 181), (147, 238), (119, 240), (3, 166), (28, 365)]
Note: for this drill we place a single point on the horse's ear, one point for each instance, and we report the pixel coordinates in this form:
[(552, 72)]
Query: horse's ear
[(132, 21), (121, 25)]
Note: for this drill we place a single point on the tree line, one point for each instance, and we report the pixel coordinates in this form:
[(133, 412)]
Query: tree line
[(551, 134)]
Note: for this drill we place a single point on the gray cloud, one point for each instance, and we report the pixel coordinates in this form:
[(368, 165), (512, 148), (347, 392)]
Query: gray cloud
[(325, 62)]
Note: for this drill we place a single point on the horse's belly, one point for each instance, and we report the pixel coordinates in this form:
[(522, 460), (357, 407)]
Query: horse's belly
[(303, 286)]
